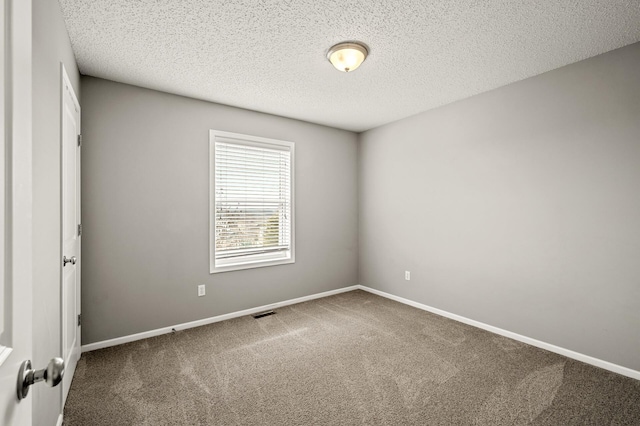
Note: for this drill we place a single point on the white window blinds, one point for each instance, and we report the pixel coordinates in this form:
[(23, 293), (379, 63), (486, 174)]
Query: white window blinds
[(252, 201)]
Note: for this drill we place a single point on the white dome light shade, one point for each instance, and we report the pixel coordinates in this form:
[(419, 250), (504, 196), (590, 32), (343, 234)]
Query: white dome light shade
[(347, 56)]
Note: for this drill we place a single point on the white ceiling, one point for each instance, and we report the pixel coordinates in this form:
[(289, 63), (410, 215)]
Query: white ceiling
[(269, 55)]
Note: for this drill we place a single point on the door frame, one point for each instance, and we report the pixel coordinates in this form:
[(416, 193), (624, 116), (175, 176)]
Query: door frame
[(65, 81)]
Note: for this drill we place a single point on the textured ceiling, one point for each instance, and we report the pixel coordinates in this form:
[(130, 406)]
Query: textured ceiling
[(269, 55)]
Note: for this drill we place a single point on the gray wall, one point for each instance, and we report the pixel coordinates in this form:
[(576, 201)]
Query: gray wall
[(518, 208), (51, 46), (145, 174)]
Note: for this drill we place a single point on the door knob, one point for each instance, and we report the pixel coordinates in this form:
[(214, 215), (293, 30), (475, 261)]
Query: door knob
[(66, 260), (52, 375)]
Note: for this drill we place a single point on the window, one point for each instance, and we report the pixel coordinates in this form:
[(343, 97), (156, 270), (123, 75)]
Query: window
[(251, 206)]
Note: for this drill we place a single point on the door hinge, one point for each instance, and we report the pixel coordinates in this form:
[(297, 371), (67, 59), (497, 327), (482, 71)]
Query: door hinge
[(79, 230), (79, 320), (80, 139)]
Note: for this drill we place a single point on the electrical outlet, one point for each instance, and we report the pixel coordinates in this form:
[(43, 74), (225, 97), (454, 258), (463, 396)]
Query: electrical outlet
[(201, 290), (407, 275)]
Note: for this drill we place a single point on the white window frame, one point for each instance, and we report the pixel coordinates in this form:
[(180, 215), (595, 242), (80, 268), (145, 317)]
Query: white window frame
[(259, 260)]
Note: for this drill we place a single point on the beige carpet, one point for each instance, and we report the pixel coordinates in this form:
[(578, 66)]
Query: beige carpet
[(350, 359)]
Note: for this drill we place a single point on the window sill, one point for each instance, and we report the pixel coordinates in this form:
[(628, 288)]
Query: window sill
[(251, 265)]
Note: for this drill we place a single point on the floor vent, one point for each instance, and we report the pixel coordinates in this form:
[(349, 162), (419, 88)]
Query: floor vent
[(264, 314)]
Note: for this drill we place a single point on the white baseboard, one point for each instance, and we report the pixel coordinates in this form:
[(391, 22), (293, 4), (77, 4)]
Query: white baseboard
[(634, 374), (524, 339), (198, 323), (59, 422)]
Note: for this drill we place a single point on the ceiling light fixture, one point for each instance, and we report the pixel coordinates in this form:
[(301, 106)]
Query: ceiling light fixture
[(348, 55)]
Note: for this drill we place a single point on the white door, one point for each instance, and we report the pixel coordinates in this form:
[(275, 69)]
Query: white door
[(15, 208), (70, 232)]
